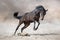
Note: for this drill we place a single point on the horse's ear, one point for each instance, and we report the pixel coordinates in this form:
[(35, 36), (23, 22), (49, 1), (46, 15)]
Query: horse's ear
[(46, 10)]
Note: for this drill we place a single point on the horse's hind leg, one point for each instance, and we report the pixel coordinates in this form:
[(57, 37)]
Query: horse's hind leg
[(26, 25), (17, 27)]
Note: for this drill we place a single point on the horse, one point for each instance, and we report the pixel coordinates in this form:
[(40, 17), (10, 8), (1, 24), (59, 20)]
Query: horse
[(29, 17)]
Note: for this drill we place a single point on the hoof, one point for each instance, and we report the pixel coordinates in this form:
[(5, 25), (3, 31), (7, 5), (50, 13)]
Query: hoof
[(35, 29), (23, 34)]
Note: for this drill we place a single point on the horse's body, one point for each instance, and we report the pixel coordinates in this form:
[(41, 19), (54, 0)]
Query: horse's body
[(29, 17)]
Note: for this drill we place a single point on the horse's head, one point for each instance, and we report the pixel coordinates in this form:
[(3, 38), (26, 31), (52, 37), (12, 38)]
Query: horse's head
[(42, 11), (43, 14)]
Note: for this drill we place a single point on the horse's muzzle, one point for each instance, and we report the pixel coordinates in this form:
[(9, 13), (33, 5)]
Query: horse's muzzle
[(42, 19)]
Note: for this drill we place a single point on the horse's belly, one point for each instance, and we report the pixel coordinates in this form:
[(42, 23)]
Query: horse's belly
[(29, 18)]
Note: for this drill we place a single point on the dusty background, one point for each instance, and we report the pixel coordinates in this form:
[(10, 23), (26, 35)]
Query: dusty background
[(50, 25)]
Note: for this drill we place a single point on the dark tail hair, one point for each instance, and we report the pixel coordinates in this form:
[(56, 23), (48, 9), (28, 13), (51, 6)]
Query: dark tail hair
[(16, 15)]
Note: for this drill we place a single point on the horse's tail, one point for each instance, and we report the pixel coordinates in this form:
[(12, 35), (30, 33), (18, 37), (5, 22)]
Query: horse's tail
[(16, 15)]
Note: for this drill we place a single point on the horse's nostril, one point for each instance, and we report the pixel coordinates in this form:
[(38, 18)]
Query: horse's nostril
[(42, 19)]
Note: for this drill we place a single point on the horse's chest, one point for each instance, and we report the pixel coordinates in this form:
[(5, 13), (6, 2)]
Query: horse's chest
[(37, 16)]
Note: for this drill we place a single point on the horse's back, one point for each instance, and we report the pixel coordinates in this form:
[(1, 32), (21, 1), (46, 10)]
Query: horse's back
[(28, 16)]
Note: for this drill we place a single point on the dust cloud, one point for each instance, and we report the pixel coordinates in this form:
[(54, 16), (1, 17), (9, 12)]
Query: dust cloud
[(8, 7)]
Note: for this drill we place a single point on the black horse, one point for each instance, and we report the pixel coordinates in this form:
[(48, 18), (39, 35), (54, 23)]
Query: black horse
[(29, 17)]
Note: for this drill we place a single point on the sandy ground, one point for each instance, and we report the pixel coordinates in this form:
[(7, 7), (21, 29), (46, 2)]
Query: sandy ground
[(32, 37), (46, 31)]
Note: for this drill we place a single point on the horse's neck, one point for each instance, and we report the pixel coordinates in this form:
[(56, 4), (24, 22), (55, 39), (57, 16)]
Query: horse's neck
[(35, 10)]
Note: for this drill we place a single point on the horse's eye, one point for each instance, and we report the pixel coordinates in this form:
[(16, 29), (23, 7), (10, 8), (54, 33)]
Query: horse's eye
[(44, 13)]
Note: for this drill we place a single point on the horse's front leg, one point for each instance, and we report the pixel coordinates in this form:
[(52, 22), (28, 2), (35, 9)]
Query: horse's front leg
[(34, 25), (37, 25)]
